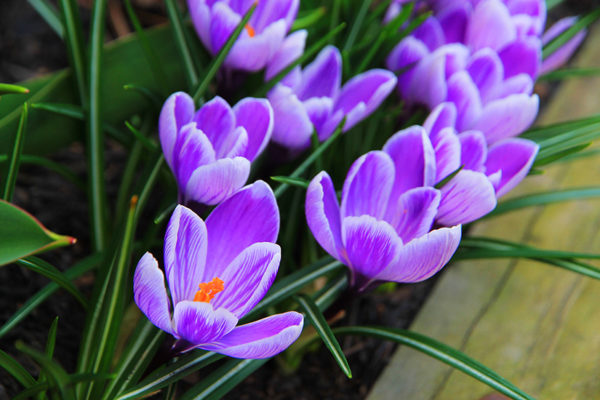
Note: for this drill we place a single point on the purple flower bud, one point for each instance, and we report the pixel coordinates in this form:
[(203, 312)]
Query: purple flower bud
[(216, 273), (210, 150)]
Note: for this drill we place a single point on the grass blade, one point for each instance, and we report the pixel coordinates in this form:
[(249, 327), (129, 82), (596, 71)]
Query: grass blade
[(220, 58), (74, 40), (303, 183), (564, 37), (147, 143), (16, 370), (441, 352), (181, 42), (6, 88), (51, 165), (566, 73), (15, 159), (49, 13), (320, 324), (357, 25)]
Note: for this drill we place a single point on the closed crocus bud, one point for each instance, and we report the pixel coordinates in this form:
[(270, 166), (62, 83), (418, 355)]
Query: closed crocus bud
[(210, 150), (215, 21), (217, 271)]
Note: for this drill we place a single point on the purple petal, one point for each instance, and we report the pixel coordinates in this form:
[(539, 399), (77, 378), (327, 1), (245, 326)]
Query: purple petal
[(268, 12), (408, 51), (248, 277), (473, 150), (370, 244), (223, 21), (198, 323), (260, 339), (423, 257), (217, 121), (201, 15), (237, 145), (490, 25), (465, 96), (177, 111), (256, 116), (319, 111), (562, 55), (249, 216), (185, 253), (507, 117), (323, 214), (430, 32), (212, 183), (453, 20), (442, 116), (486, 70), (291, 49), (519, 84), (368, 185), (447, 153), (514, 158), (322, 77), (150, 294), (468, 196), (415, 213), (522, 56), (532, 8), (414, 159), (428, 83), (253, 53), (292, 126), (192, 151), (368, 89)]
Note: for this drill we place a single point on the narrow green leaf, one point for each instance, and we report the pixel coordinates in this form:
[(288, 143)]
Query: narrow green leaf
[(564, 37), (539, 162), (153, 98), (6, 88), (356, 25), (147, 143), (15, 159), (52, 369), (147, 189), (51, 341), (550, 4), (543, 198), (49, 13), (43, 386), (320, 324), (22, 235), (447, 179), (443, 353), (309, 18), (87, 264), (73, 35), (541, 133), (16, 370), (214, 66), (311, 159), (97, 198), (181, 43), (164, 214), (44, 268), (567, 73), (303, 183), (222, 380), (51, 165)]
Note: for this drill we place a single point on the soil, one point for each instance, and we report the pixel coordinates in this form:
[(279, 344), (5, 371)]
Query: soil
[(29, 48)]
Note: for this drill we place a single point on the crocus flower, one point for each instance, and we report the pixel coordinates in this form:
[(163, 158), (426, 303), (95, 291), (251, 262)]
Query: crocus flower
[(210, 150), (216, 273), (383, 229), (315, 100), (215, 21)]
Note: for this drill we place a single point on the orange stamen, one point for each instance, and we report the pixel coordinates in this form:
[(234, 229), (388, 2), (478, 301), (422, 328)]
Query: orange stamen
[(208, 290), (250, 30)]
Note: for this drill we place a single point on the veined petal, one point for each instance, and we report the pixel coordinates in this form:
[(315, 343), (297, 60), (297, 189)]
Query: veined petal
[(217, 121), (212, 183), (200, 14), (267, 12), (486, 70), (292, 127), (238, 144), (150, 294), (198, 323), (473, 150), (518, 84), (322, 77), (253, 53), (260, 339), (177, 111), (370, 245), (248, 278), (249, 216), (223, 22), (447, 153), (323, 214), (415, 213), (430, 32), (319, 111), (192, 151), (442, 116), (368, 185), (468, 196), (514, 157), (422, 257), (291, 49), (522, 56), (185, 253), (463, 92), (490, 25), (453, 20), (409, 51), (256, 116)]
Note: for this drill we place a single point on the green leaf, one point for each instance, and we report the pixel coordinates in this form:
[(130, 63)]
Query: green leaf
[(320, 324), (87, 264), (147, 143), (43, 386), (550, 4), (73, 36), (6, 88), (148, 94), (566, 73), (309, 18), (190, 69), (16, 370), (51, 165), (356, 26), (222, 380), (43, 268), (15, 159), (443, 353), (543, 198), (303, 183), (51, 341), (22, 235), (564, 37), (49, 13), (559, 156), (214, 66)]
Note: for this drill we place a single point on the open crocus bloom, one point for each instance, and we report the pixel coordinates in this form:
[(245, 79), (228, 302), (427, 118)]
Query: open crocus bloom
[(210, 150), (314, 100), (383, 229), (217, 272), (215, 21), (487, 172)]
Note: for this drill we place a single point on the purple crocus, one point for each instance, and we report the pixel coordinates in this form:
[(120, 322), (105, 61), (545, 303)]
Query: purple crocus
[(215, 21), (216, 273), (383, 229), (315, 100), (210, 150)]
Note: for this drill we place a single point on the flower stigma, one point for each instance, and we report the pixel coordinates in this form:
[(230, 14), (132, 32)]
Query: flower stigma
[(208, 290), (250, 30)]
